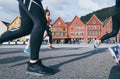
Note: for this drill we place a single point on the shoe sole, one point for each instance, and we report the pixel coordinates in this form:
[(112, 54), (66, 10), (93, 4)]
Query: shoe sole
[(26, 52), (114, 56), (95, 47), (36, 74)]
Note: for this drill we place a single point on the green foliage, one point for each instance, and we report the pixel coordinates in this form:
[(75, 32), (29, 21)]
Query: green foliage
[(101, 14)]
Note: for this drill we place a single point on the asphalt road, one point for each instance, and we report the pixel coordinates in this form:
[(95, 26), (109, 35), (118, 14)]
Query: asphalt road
[(70, 62)]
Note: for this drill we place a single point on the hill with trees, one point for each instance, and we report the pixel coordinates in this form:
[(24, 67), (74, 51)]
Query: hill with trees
[(101, 14)]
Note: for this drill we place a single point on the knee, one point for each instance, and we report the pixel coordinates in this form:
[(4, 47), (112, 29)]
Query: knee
[(40, 27)]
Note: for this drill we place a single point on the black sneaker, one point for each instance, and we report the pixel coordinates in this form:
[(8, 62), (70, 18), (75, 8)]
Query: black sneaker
[(39, 69)]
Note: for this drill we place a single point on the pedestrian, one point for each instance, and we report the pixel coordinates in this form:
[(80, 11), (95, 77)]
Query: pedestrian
[(46, 33), (33, 22), (115, 26), (49, 33)]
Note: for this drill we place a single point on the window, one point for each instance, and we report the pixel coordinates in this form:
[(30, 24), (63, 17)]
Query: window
[(95, 32), (94, 22), (98, 33), (59, 23), (71, 28), (72, 33), (82, 27), (88, 32), (78, 28), (88, 27), (17, 22), (64, 29), (77, 33), (56, 29), (91, 27), (76, 22), (94, 27), (82, 33), (62, 34), (98, 28), (59, 33), (56, 34)]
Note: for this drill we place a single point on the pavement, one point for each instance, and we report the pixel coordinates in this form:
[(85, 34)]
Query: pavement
[(71, 61)]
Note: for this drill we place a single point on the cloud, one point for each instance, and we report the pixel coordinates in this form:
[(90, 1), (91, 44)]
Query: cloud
[(88, 5), (66, 9), (8, 10)]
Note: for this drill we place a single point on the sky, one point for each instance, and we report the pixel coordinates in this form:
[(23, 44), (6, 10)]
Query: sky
[(66, 9)]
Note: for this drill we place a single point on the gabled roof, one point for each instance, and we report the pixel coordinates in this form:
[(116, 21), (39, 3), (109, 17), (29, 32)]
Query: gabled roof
[(76, 18), (94, 18), (107, 21), (15, 19), (63, 24), (13, 25), (6, 23)]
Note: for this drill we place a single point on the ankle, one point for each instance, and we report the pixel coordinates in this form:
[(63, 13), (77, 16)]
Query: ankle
[(33, 61)]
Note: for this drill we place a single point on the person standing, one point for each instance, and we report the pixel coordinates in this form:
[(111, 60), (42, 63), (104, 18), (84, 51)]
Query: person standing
[(33, 22), (49, 33)]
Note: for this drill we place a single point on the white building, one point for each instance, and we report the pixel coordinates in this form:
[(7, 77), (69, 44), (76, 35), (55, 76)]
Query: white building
[(3, 27)]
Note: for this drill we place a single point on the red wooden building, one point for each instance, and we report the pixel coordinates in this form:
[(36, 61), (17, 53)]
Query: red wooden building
[(94, 28), (77, 30), (108, 28), (59, 31)]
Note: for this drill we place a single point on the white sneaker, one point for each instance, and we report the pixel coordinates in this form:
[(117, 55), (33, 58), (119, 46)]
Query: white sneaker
[(96, 44)]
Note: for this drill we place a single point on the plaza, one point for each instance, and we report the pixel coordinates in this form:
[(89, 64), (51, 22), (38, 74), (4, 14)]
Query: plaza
[(70, 61)]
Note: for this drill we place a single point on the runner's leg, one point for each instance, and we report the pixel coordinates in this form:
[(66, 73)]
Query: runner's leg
[(115, 27), (25, 28)]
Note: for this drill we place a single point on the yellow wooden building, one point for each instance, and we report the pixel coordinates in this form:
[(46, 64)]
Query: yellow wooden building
[(16, 24)]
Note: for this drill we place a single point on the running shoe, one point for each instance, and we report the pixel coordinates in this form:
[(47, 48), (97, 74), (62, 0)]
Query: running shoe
[(51, 47), (38, 69), (27, 50), (115, 52), (96, 44)]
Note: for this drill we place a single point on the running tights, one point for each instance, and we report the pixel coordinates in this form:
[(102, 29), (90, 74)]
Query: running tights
[(33, 22), (115, 24)]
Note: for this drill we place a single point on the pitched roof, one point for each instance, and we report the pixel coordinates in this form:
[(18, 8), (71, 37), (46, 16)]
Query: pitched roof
[(92, 19), (6, 23), (106, 21), (63, 24), (76, 18)]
